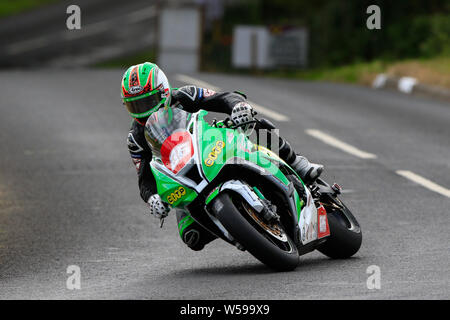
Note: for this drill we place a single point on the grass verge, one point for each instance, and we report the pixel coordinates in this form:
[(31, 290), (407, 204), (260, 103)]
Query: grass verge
[(431, 71)]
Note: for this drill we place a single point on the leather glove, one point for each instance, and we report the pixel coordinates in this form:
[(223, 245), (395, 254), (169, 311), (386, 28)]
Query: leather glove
[(157, 207), (242, 113)]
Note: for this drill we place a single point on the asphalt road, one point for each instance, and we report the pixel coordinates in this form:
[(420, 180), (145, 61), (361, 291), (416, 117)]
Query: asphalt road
[(69, 195)]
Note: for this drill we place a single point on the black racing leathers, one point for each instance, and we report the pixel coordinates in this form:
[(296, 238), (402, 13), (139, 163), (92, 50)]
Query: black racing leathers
[(190, 99)]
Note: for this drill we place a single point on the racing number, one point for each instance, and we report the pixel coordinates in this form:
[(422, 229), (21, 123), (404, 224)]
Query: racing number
[(177, 194)]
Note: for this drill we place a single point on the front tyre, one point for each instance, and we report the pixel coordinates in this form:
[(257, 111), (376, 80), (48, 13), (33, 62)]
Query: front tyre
[(280, 255), (345, 232)]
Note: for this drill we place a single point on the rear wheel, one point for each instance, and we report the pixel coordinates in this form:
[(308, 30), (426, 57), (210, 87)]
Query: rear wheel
[(345, 232), (268, 243)]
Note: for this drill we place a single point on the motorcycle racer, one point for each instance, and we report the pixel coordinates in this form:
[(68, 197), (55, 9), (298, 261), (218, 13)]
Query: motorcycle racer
[(144, 89)]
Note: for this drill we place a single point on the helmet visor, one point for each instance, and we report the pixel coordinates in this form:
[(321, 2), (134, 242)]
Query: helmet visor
[(143, 107)]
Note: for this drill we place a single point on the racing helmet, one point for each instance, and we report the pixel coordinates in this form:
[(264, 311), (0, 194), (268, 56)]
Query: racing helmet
[(145, 89)]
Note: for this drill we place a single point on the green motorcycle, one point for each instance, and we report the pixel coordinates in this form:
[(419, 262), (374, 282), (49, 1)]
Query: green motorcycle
[(244, 193)]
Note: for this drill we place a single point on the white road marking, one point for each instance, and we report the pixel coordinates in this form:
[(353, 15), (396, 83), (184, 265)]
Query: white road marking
[(332, 141), (258, 108), (141, 15), (269, 113), (424, 182), (97, 55)]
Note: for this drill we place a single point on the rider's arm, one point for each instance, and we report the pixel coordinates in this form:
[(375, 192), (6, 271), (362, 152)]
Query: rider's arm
[(141, 156), (194, 98)]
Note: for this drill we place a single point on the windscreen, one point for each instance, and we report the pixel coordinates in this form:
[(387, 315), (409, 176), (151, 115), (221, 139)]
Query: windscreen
[(162, 124)]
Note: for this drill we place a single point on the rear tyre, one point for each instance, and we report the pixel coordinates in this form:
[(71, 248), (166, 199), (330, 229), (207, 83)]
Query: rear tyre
[(345, 233), (280, 256)]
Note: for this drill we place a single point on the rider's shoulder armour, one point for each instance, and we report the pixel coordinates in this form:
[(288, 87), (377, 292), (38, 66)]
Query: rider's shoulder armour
[(137, 145)]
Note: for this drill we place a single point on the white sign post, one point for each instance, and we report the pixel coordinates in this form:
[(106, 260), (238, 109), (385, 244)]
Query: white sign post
[(251, 47), (179, 39)]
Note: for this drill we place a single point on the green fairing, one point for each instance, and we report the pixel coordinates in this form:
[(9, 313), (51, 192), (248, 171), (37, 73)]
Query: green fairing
[(166, 186), (236, 145), (213, 195), (298, 204)]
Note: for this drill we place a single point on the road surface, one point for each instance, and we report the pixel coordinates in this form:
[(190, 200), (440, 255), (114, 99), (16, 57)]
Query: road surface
[(41, 37), (69, 194)]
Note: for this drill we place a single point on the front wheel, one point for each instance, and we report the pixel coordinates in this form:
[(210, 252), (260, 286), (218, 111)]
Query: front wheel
[(345, 232), (268, 243)]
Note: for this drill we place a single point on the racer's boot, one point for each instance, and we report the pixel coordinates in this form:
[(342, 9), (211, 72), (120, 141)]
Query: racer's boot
[(308, 171), (192, 234)]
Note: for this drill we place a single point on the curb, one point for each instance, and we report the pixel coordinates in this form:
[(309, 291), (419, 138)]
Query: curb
[(410, 85)]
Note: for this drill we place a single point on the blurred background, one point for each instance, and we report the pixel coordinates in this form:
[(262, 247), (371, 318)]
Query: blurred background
[(312, 40)]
